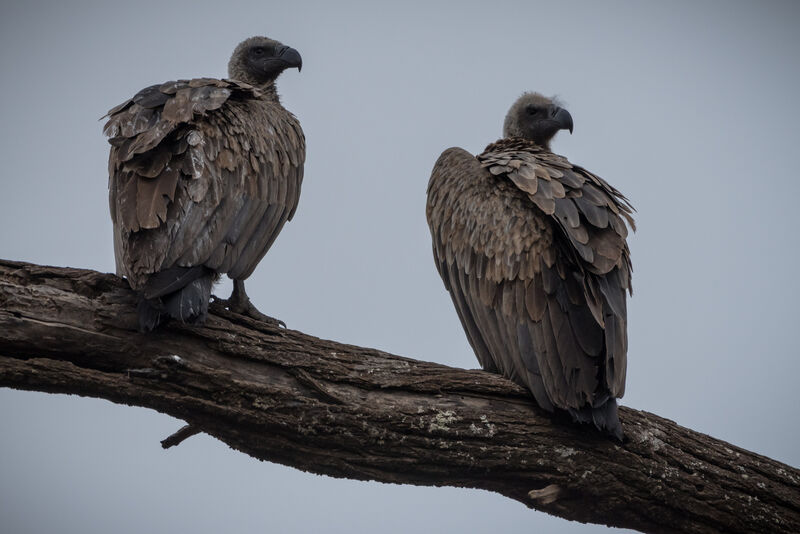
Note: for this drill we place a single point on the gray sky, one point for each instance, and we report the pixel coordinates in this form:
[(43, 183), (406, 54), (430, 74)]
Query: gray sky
[(690, 109)]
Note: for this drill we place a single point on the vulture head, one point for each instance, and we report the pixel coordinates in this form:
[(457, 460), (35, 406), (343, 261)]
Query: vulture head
[(537, 118), (259, 60)]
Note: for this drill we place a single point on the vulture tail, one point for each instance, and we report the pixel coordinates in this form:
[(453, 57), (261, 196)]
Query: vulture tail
[(604, 417), (180, 293)]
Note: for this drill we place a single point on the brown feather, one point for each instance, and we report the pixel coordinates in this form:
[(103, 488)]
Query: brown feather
[(153, 196), (150, 164), (126, 187), (179, 107)]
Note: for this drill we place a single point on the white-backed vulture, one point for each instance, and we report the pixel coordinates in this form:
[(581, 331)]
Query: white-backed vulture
[(533, 252), (203, 174)]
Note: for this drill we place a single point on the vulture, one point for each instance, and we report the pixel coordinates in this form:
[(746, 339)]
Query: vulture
[(203, 174), (533, 252)]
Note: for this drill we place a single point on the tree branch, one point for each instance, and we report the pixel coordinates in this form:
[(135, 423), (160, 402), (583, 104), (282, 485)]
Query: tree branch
[(178, 437), (353, 412)]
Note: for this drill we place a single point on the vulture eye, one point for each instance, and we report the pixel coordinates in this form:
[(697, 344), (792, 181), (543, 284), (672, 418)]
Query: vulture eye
[(532, 110), (259, 51)]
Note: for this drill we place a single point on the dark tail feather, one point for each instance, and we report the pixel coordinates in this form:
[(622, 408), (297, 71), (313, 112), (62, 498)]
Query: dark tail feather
[(171, 280), (604, 417), (190, 304), (151, 314), (187, 303)]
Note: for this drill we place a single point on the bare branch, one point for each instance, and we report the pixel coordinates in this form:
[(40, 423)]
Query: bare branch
[(183, 433), (347, 411)]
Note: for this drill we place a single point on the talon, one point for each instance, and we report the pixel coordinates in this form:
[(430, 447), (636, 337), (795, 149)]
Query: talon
[(240, 303)]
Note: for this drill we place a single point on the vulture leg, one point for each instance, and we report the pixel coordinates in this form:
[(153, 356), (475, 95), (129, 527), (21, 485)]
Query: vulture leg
[(240, 303)]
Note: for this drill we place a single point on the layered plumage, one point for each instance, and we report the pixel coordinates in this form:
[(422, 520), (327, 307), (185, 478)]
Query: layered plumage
[(203, 174), (533, 252)]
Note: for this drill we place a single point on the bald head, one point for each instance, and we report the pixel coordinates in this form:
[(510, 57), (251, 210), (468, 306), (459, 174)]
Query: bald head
[(537, 118), (259, 60)]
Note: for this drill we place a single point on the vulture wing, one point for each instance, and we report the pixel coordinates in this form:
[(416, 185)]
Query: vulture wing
[(532, 250), (202, 172)]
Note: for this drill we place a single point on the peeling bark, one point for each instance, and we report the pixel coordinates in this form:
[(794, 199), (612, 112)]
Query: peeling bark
[(354, 412)]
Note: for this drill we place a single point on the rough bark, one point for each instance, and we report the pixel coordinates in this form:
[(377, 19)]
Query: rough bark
[(347, 411)]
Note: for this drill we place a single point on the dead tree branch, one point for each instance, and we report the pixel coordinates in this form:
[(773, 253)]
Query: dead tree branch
[(347, 411)]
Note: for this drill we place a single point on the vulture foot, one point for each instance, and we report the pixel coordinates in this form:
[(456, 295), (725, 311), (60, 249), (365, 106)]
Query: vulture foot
[(240, 303)]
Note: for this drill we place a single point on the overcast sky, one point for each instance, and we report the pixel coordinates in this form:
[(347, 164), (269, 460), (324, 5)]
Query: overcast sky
[(689, 108)]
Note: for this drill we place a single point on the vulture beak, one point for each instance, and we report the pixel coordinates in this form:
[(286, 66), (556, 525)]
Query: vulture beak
[(290, 57), (562, 117)]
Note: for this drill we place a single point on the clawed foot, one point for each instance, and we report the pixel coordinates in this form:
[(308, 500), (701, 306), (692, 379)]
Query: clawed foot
[(247, 309), (240, 303)]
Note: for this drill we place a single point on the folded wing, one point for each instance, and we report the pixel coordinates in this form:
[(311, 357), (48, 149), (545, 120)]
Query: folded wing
[(202, 172), (532, 250)]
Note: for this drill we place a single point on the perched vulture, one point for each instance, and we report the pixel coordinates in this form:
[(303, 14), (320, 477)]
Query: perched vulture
[(203, 174), (532, 250)]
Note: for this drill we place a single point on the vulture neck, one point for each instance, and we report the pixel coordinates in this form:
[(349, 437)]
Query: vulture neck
[(544, 145), (268, 91)]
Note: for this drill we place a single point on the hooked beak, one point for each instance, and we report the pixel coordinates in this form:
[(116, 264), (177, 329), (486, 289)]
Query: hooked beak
[(562, 117), (290, 57)]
